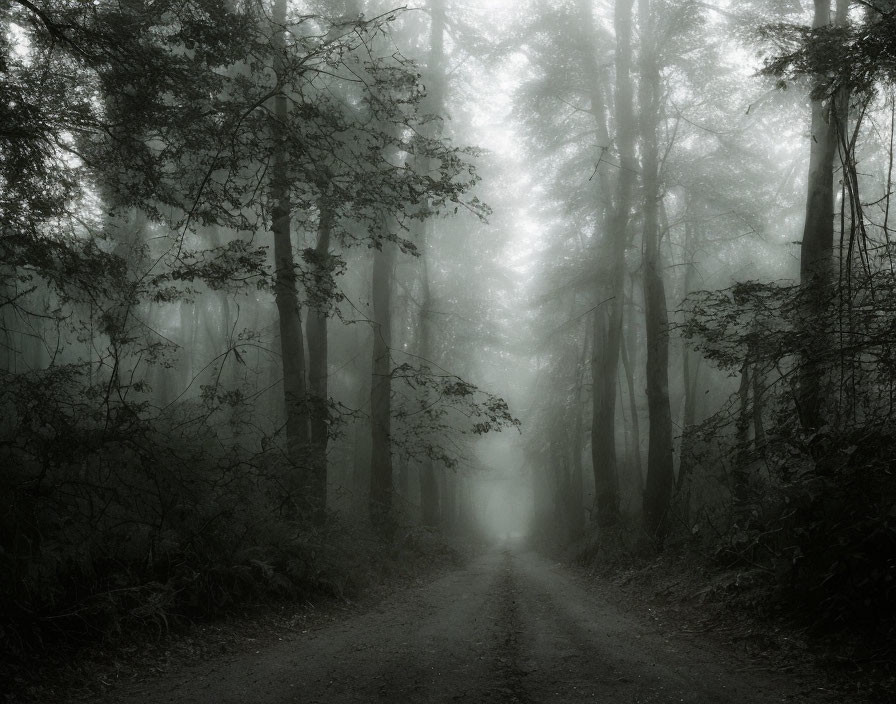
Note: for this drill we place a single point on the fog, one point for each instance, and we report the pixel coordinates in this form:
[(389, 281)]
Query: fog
[(281, 280), (502, 492)]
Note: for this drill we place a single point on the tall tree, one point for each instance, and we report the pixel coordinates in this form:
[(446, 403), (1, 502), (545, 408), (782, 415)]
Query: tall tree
[(611, 267), (316, 333), (828, 125), (292, 343), (660, 473), (429, 486), (381, 386)]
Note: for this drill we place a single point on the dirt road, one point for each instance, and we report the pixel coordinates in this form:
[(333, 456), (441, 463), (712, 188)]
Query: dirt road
[(510, 627)]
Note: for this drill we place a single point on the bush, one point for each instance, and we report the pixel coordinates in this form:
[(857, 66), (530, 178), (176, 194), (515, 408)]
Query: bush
[(812, 509), (120, 518)]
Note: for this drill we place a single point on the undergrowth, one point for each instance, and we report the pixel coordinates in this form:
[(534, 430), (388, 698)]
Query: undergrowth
[(126, 523)]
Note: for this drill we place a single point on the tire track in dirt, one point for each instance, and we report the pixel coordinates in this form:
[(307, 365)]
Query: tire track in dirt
[(508, 632)]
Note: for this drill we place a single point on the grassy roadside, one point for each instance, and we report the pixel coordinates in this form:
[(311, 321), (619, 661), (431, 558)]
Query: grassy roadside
[(685, 592)]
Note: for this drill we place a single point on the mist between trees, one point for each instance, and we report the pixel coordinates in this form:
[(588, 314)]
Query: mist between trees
[(270, 270)]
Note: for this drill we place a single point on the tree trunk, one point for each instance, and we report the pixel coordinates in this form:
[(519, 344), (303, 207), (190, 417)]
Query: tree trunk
[(690, 365), (608, 320), (574, 508), (292, 344), (316, 330), (361, 444), (660, 474), (628, 343), (576, 480), (429, 487), (381, 392), (817, 246)]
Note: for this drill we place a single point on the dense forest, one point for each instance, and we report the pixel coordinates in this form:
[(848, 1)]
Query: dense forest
[(296, 292)]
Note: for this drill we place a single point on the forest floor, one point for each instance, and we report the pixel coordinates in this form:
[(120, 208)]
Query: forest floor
[(685, 593), (510, 626)]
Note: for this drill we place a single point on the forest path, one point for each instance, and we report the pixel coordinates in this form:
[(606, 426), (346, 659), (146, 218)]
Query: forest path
[(509, 627)]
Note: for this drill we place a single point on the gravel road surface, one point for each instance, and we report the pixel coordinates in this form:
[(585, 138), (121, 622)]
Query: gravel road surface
[(509, 627)]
